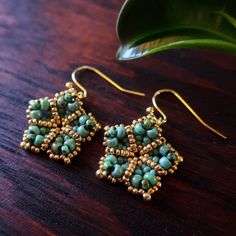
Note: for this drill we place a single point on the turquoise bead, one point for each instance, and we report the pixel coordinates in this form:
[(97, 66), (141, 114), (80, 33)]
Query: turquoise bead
[(112, 132), (75, 128), (55, 148), (165, 163), (43, 131), (59, 139), (82, 131), (36, 114), (146, 169), (89, 123), (152, 133), (34, 129), (44, 104), (147, 124), (120, 146), (155, 159), (172, 157), (120, 132), (107, 165), (124, 166), (66, 137), (138, 129), (155, 151), (164, 149), (135, 180), (61, 102), (68, 97), (119, 160), (153, 172), (72, 106), (146, 140), (70, 143), (112, 159), (31, 137), (139, 138), (112, 143), (34, 104), (145, 184), (151, 178), (65, 150), (83, 119), (117, 172), (38, 140), (138, 172)]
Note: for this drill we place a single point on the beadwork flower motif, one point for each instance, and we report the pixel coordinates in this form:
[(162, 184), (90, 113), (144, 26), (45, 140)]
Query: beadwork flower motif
[(138, 155), (59, 125)]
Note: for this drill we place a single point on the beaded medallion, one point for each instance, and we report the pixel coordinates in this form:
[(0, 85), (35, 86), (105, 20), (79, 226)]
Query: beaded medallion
[(59, 125), (138, 156)]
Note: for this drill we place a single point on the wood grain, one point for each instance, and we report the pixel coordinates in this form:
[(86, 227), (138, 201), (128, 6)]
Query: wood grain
[(41, 43)]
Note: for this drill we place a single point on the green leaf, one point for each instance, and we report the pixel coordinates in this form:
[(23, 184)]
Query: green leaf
[(149, 26)]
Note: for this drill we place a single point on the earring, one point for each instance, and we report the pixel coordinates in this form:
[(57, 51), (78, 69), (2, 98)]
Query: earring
[(59, 125), (138, 155)]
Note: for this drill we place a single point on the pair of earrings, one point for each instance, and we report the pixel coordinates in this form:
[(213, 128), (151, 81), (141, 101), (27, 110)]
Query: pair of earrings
[(136, 155)]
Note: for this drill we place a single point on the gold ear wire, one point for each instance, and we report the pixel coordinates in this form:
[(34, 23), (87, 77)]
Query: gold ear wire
[(186, 105), (96, 71)]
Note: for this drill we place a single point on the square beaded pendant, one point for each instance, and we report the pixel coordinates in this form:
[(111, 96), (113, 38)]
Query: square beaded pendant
[(59, 125), (138, 155)]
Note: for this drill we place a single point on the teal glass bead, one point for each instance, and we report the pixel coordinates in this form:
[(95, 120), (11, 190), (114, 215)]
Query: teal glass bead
[(70, 143), (65, 150), (165, 163), (75, 128), (72, 106), (124, 166), (55, 148), (43, 131), (120, 132), (136, 180), (112, 132), (31, 137), (172, 157), (152, 133), (112, 159), (66, 137), (59, 139), (153, 172), (138, 172), (119, 160), (38, 140), (146, 169), (146, 140), (120, 146), (83, 119), (145, 184), (138, 129), (147, 124), (36, 114), (139, 137), (44, 104), (68, 97), (107, 165), (82, 131), (61, 102), (118, 171), (89, 123), (155, 159), (155, 151), (34, 130), (151, 178), (34, 104), (164, 149), (112, 143)]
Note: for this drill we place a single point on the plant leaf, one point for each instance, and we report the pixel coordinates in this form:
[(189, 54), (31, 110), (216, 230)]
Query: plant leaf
[(149, 26)]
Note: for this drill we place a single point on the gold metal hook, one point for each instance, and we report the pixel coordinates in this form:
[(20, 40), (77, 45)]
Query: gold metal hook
[(96, 71), (186, 105)]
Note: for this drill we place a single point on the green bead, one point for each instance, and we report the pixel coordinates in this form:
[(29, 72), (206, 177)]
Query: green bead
[(146, 140), (155, 151), (68, 97), (75, 128), (120, 146), (112, 132), (152, 133), (67, 137), (31, 137), (151, 178), (82, 131), (36, 114), (120, 132), (165, 163), (155, 159), (172, 157), (34, 130), (83, 119), (147, 124), (65, 150), (136, 180), (70, 143), (138, 129), (120, 160), (139, 138), (89, 123), (72, 106), (59, 139), (112, 159), (145, 184), (34, 104), (146, 169), (44, 104), (117, 172), (124, 166), (153, 172), (61, 102), (112, 143), (138, 172), (38, 140), (43, 131), (164, 149), (107, 165), (55, 148)]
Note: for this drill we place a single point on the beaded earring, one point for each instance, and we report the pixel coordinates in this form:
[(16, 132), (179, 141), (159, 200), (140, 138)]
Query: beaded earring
[(138, 155), (59, 125)]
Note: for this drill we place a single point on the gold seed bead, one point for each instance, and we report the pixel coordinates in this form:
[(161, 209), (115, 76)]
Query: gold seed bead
[(147, 197), (99, 174), (130, 189), (67, 161)]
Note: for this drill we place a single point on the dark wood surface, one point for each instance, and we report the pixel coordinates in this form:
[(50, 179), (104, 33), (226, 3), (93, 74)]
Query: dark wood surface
[(41, 42)]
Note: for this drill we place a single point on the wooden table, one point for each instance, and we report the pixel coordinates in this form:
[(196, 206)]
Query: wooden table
[(41, 43)]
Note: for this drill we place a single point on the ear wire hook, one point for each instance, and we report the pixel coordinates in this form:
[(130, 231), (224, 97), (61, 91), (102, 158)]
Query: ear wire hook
[(96, 71), (186, 105)]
